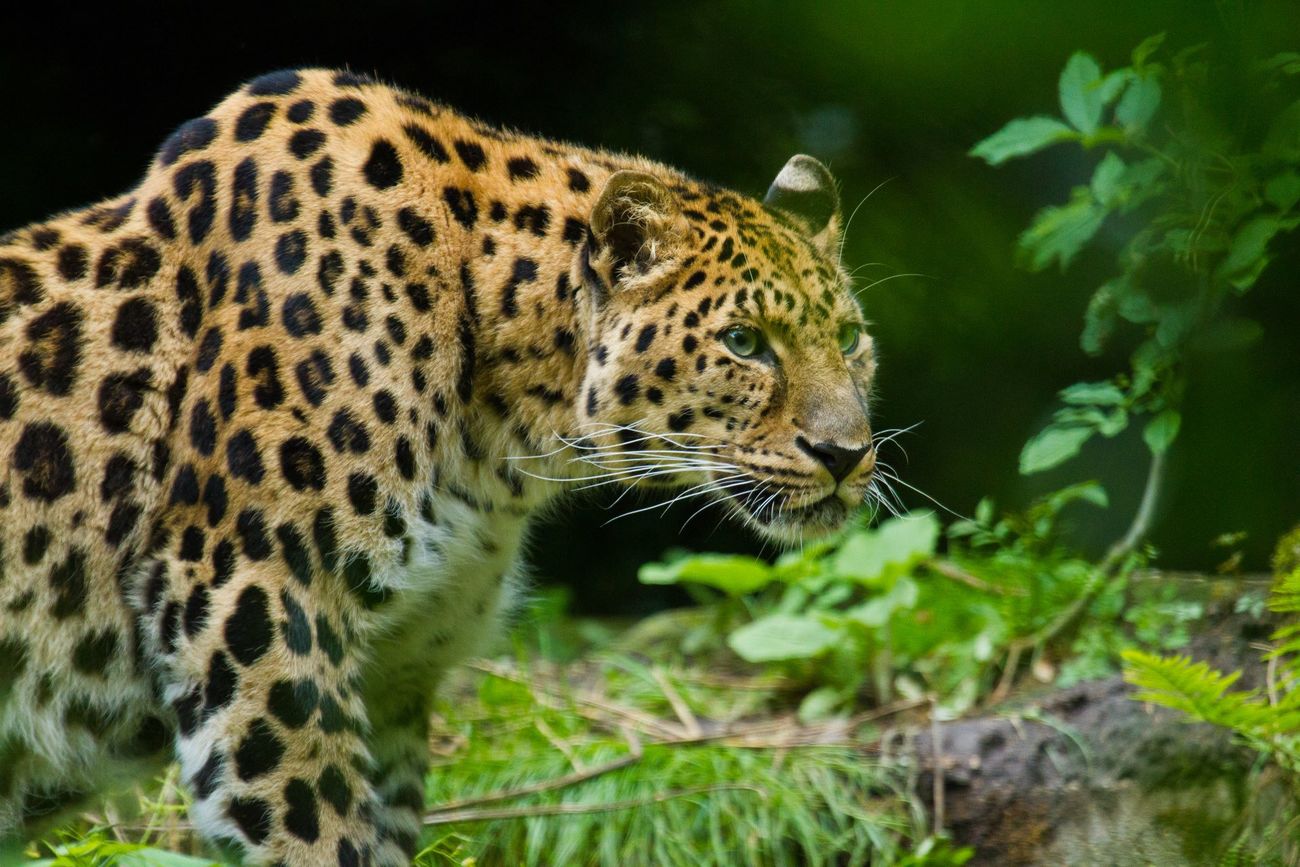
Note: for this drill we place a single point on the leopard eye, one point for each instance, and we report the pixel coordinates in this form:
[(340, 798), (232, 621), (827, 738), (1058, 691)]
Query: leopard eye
[(742, 340), (850, 336)]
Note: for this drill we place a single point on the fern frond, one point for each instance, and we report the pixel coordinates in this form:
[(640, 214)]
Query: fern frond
[(1285, 595), (1201, 692)]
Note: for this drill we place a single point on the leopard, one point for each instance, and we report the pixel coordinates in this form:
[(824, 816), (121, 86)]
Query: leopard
[(276, 422)]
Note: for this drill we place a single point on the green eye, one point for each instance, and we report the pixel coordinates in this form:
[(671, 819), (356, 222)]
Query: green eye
[(850, 337), (743, 340)]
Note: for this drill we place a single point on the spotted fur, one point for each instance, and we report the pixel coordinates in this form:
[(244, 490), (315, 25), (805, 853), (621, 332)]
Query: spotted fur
[(274, 422)]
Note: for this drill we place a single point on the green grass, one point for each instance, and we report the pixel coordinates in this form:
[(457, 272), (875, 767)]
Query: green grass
[(771, 793)]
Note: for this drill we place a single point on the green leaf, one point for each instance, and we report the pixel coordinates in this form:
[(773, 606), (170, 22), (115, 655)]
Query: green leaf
[(873, 557), (1098, 320), (1113, 84), (877, 611), (1149, 359), (1021, 137), (1087, 492), (1052, 446), (1283, 191), (780, 637), (1113, 423), (1161, 431), (1138, 104), (1080, 92), (820, 704), (1106, 180), (1095, 393), (1248, 255), (1137, 307), (733, 574), (1058, 233), (1146, 48)]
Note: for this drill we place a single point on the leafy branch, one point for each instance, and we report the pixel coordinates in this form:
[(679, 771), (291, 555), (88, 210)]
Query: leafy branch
[(1200, 199)]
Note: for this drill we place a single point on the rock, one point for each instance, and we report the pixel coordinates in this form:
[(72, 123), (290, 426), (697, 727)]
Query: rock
[(1087, 776)]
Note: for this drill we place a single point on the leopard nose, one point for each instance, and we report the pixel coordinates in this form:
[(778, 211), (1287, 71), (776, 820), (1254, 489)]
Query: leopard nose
[(837, 459)]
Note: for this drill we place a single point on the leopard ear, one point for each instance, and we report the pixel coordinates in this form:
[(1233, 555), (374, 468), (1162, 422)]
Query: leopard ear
[(636, 225), (805, 191)]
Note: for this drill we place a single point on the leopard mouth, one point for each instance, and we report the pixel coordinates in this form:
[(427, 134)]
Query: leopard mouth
[(772, 512)]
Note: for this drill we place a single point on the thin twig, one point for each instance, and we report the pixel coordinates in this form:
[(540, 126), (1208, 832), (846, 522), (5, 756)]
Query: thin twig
[(1008, 678), (446, 818), (557, 700), (560, 744), (949, 569), (690, 723), (563, 782)]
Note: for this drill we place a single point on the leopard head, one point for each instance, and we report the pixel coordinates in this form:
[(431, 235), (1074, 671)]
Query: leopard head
[(727, 355)]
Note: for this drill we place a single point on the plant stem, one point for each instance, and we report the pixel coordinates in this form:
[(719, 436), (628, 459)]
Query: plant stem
[(1136, 532), (1141, 524)]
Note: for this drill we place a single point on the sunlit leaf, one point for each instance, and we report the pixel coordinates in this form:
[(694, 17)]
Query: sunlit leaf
[(1113, 84), (781, 637), (1114, 422), (1051, 447), (1247, 257), (1138, 104), (733, 574), (1021, 137), (876, 555), (1097, 393), (1080, 92), (1106, 180), (1058, 233), (819, 704), (1098, 321), (876, 612), (1161, 431), (1086, 492)]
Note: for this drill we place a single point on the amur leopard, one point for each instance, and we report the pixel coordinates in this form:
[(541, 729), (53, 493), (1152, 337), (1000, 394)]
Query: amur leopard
[(273, 425)]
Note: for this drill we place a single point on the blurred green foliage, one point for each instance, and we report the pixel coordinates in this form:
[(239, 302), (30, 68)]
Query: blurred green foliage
[(1203, 201), (878, 613)]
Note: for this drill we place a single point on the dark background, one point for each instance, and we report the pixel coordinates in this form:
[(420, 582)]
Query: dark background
[(891, 93)]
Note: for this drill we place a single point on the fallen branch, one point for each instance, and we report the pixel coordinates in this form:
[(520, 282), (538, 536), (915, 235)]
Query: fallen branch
[(533, 811)]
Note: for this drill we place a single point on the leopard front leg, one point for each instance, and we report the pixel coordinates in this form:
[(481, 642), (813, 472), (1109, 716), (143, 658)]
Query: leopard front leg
[(265, 678), (400, 748)]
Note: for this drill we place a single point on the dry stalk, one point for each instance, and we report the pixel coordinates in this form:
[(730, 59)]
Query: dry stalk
[(690, 724), (446, 818)]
